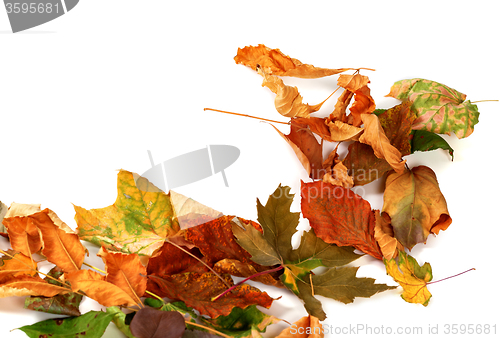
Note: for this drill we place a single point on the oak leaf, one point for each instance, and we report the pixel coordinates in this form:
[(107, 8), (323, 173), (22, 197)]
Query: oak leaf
[(411, 276), (415, 205), (374, 135), (339, 216), (274, 62), (138, 222), (440, 109)]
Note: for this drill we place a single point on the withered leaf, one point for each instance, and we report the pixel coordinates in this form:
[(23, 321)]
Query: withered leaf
[(415, 205), (305, 327), (198, 289), (28, 286), (16, 264), (412, 277), (274, 62), (138, 222), (339, 216)]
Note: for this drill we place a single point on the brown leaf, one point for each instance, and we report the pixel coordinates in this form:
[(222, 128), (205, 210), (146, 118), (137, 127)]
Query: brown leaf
[(340, 131), (236, 268), (339, 216), (316, 124), (125, 271), (197, 291), (152, 323), (375, 137), (306, 147), (415, 205), (274, 62), (339, 176), (384, 235), (363, 102), (363, 165), (339, 112)]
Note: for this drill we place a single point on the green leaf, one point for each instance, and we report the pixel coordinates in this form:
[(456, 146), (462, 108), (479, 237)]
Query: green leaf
[(274, 246), (440, 109), (119, 319), (138, 222), (63, 304), (90, 325), (242, 323), (425, 140)]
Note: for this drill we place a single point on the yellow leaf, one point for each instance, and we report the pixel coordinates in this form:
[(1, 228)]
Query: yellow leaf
[(28, 286), (412, 277)]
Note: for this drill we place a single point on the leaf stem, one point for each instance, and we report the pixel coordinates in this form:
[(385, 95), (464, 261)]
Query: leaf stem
[(484, 101), (208, 328), (155, 295), (458, 274), (244, 280), (199, 260), (245, 115), (93, 267)]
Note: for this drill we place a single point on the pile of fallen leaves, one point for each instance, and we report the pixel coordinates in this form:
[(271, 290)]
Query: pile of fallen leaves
[(169, 260)]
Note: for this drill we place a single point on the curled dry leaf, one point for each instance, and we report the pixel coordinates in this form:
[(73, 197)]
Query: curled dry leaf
[(339, 176), (274, 62), (363, 101), (374, 135), (415, 205), (288, 101), (340, 131), (384, 235)]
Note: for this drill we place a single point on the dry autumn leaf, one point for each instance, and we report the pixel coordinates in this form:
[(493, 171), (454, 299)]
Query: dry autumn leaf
[(415, 205), (339, 216), (374, 135), (305, 327), (26, 285), (363, 102), (412, 277), (138, 222), (274, 62)]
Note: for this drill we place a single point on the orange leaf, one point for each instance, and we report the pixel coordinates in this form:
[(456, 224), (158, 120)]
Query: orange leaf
[(274, 62), (23, 234), (375, 137), (125, 271), (340, 131), (28, 286), (17, 264), (96, 287), (305, 327), (61, 245), (384, 235)]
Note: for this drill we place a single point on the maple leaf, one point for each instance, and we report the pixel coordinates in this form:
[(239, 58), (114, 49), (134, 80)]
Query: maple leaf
[(415, 205), (198, 289), (305, 327), (411, 276), (440, 109), (274, 62), (339, 216), (138, 222), (273, 246), (288, 101), (308, 150), (374, 135)]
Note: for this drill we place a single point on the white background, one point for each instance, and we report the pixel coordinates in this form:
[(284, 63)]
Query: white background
[(92, 91)]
